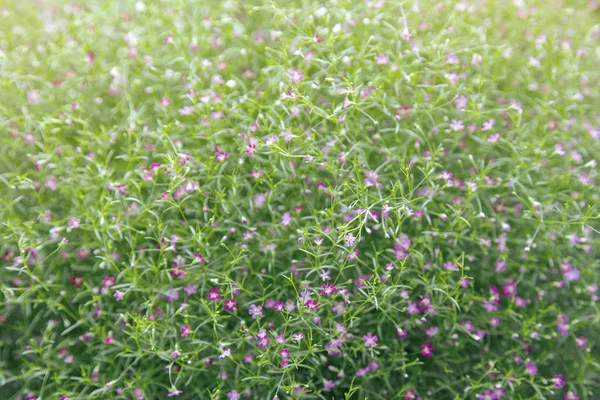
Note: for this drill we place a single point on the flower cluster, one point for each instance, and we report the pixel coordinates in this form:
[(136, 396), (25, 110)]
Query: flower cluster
[(299, 200)]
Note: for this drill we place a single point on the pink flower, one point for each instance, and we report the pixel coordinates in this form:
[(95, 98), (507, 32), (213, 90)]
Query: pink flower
[(119, 296), (571, 396), (213, 294), (108, 281), (311, 304), (165, 102), (74, 223), (185, 330), (445, 175), (255, 311), (230, 305), (382, 59), (286, 219), (493, 138), (412, 308), (296, 337), (487, 125), (328, 289), (370, 340), (581, 343), (189, 290), (461, 102), (427, 350), (295, 75), (558, 381), (371, 179), (531, 368)]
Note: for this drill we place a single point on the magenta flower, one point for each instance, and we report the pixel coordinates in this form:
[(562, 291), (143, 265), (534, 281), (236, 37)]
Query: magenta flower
[(185, 330), (558, 381), (328, 289), (412, 308), (311, 304), (531, 368), (213, 294), (581, 343), (427, 350), (230, 305)]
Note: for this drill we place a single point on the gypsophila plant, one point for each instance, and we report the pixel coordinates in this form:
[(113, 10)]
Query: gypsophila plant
[(334, 199)]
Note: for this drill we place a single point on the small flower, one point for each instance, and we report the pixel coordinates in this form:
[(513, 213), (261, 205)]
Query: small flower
[(311, 304), (427, 350), (73, 223), (225, 352), (571, 396), (77, 281), (349, 238), (445, 175), (255, 311), (213, 294), (286, 219), (284, 353), (295, 75), (382, 59), (328, 289), (230, 305), (531, 368), (370, 340), (486, 126), (233, 395), (457, 125), (558, 381), (190, 289), (34, 97), (296, 337), (119, 295), (185, 330), (581, 343), (165, 102)]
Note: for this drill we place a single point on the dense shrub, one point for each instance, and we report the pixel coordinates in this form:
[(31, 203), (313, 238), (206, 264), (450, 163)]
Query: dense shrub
[(299, 200)]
